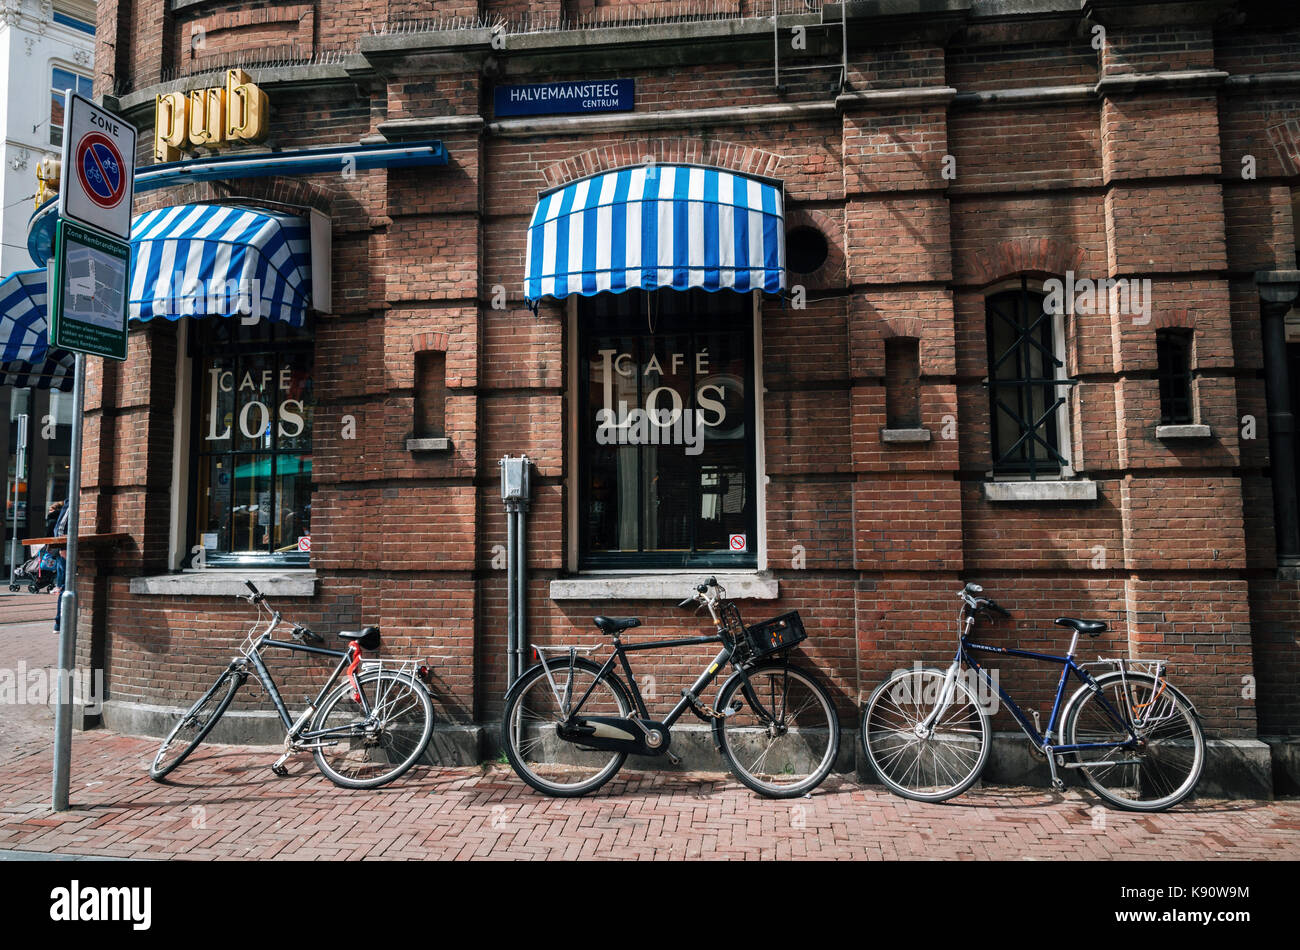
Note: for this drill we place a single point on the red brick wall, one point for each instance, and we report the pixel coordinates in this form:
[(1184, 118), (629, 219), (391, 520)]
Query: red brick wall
[(868, 540)]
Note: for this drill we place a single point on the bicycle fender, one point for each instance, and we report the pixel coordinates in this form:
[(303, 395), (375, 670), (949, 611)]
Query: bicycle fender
[(741, 673)]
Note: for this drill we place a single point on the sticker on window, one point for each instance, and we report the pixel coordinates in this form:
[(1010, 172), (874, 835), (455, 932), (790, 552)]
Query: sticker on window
[(738, 544), (304, 543), (209, 540)]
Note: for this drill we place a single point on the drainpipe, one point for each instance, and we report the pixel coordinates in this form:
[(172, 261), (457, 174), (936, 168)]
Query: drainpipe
[(514, 494), (1278, 290)]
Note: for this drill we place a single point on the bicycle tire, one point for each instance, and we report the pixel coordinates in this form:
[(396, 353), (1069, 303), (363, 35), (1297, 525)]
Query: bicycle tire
[(873, 742), (1077, 705), (344, 690), (520, 690), (728, 747), (233, 680)]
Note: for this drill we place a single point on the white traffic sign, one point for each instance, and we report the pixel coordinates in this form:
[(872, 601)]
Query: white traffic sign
[(98, 167)]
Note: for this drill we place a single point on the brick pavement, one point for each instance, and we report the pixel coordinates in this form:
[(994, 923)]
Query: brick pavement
[(225, 803)]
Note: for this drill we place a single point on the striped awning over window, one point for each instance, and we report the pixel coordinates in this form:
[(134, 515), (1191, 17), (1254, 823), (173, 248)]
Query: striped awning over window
[(218, 260), (657, 227), (26, 359)]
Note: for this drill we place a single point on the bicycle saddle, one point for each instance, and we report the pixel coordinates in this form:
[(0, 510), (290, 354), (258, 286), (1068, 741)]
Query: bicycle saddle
[(368, 637), (1092, 628), (616, 624)]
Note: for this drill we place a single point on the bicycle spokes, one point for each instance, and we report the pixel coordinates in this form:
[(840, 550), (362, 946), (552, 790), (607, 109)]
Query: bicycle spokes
[(925, 734), (1154, 758)]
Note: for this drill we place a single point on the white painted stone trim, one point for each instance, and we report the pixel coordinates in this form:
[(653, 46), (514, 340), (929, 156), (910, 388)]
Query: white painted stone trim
[(916, 434), (218, 582), (740, 585), (1183, 432), (1032, 491)]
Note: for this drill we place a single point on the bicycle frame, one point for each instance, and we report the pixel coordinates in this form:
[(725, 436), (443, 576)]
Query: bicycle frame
[(348, 661), (689, 697), (1068, 665)]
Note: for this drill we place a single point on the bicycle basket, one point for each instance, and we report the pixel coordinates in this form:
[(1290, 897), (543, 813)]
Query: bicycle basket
[(779, 633)]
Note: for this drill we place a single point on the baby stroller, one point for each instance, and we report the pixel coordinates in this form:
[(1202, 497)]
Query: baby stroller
[(39, 571)]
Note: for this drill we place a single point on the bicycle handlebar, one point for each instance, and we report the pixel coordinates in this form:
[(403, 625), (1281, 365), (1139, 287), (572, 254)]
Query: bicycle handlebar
[(971, 595)]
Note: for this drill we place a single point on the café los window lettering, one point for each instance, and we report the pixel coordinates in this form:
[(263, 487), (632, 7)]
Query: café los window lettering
[(251, 446), (666, 433)]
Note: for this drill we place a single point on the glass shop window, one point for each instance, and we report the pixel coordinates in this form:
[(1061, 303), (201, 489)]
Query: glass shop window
[(250, 442), (666, 433)]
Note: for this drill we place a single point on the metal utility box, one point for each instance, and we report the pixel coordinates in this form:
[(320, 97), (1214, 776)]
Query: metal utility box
[(514, 478)]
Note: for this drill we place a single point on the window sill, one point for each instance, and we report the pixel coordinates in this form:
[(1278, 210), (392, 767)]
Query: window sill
[(1041, 491), (917, 434), (1166, 433), (216, 582), (428, 445), (740, 585)]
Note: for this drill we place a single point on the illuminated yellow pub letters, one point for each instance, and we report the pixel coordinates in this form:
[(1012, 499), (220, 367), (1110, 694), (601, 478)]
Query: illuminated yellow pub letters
[(237, 112)]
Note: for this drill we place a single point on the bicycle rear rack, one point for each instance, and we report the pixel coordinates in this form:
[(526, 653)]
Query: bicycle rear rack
[(1146, 705)]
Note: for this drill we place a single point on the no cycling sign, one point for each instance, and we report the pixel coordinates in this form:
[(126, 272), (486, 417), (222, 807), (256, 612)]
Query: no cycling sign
[(99, 168)]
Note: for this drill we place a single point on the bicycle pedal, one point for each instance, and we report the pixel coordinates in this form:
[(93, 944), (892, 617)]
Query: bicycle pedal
[(279, 770), (674, 758)]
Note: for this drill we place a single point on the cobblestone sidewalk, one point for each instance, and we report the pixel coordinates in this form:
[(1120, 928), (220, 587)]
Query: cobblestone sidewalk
[(225, 803)]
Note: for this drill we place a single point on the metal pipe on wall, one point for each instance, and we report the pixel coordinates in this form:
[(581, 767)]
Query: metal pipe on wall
[(1278, 293), (514, 493)]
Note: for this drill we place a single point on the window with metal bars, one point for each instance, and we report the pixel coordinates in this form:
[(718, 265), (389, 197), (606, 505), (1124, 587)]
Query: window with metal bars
[(1027, 386), (1174, 372)]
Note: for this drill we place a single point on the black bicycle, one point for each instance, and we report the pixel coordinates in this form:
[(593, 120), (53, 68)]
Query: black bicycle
[(569, 725), (372, 727)]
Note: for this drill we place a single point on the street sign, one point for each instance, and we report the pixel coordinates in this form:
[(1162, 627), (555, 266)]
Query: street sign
[(89, 311), (98, 176)]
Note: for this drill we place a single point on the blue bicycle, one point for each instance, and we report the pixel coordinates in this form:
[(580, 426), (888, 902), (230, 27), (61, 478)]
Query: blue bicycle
[(1134, 737)]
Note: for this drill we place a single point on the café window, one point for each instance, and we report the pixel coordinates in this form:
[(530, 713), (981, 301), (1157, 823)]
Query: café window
[(251, 442), (666, 437)]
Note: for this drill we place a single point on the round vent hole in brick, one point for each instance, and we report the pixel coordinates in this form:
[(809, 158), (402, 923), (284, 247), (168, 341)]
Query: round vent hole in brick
[(805, 249)]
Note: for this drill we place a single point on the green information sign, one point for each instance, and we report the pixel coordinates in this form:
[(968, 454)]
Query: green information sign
[(91, 274)]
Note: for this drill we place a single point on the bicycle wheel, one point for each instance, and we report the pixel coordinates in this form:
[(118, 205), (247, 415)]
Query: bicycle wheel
[(926, 765), (529, 736), (783, 739), (1162, 767), (195, 725), (358, 752)]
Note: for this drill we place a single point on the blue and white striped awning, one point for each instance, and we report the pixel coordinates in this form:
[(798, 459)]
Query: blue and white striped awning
[(219, 260), (657, 227), (26, 359)]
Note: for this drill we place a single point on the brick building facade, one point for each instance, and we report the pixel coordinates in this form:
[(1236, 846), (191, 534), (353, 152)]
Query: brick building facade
[(956, 157)]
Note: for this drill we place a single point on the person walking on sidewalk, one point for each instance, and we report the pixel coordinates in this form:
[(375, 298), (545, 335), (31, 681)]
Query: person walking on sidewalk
[(59, 511)]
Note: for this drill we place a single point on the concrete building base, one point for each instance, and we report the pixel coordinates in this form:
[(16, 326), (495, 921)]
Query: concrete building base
[(452, 744), (1234, 768), (1285, 754)]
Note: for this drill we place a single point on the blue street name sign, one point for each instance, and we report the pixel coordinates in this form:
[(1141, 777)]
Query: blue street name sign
[(554, 98)]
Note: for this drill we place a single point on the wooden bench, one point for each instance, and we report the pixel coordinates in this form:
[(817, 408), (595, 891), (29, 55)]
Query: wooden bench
[(90, 540)]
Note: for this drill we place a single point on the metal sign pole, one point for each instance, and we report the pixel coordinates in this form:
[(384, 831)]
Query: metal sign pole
[(68, 600), (20, 464)]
